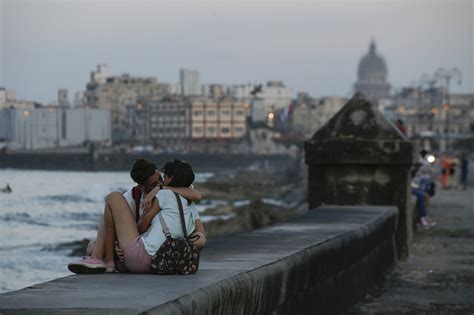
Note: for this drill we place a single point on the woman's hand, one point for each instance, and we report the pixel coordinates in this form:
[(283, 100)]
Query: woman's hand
[(198, 241), (120, 253), (148, 199)]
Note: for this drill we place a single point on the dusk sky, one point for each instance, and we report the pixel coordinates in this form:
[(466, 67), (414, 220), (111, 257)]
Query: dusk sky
[(312, 46)]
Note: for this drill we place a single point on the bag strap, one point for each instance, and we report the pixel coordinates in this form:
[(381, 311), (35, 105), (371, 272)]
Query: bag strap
[(166, 231), (181, 214), (137, 196)]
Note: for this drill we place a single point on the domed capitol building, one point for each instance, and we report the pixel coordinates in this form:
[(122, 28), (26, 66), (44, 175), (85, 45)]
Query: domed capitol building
[(372, 76)]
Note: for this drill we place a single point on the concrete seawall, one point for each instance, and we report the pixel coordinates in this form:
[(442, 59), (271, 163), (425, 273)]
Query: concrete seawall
[(83, 161), (323, 261)]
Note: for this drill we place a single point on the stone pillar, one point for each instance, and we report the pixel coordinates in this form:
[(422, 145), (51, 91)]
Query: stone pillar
[(359, 158)]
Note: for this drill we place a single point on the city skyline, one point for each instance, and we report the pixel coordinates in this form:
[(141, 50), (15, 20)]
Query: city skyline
[(311, 46)]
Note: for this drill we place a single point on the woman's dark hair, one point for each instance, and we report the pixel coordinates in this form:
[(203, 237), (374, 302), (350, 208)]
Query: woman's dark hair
[(142, 170), (182, 172)]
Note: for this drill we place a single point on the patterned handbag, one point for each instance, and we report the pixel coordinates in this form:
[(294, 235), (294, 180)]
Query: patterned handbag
[(175, 256)]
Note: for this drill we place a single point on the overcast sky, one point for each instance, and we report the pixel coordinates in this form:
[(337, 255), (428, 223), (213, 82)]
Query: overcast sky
[(313, 46)]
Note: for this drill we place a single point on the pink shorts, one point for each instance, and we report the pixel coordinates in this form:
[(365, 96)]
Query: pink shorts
[(137, 259)]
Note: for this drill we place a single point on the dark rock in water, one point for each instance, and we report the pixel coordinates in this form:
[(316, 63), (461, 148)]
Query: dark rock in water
[(78, 248), (253, 216)]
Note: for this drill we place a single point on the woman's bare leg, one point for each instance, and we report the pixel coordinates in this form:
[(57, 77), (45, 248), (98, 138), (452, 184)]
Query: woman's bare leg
[(97, 248), (118, 224)]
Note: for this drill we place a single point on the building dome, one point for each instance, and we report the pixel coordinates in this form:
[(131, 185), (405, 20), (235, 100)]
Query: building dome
[(372, 76)]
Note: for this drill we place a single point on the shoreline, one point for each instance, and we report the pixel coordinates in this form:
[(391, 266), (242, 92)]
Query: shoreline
[(118, 161)]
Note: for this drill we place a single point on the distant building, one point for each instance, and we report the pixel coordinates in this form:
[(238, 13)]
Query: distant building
[(213, 124), (79, 99), (169, 121), (309, 116), (7, 98), (191, 124), (63, 100), (273, 97), (216, 91), (372, 76), (189, 81), (52, 127), (116, 93), (3, 96), (427, 117)]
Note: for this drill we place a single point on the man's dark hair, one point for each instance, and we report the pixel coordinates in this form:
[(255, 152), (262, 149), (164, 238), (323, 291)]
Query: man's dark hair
[(142, 170), (423, 153), (182, 172)]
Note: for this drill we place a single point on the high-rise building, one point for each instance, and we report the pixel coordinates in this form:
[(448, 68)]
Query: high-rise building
[(189, 81), (63, 100), (372, 76)]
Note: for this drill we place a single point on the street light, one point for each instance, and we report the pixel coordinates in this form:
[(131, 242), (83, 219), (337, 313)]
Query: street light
[(445, 77), (430, 80)]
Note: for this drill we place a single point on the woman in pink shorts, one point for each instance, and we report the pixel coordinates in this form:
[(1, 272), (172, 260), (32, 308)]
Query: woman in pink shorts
[(140, 242)]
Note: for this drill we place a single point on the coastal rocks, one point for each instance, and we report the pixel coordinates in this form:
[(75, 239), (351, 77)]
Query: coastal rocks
[(77, 248)]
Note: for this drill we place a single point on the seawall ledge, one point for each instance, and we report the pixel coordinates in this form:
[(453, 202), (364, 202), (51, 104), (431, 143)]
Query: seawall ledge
[(296, 265)]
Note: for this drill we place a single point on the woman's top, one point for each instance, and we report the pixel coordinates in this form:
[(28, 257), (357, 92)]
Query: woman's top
[(154, 237)]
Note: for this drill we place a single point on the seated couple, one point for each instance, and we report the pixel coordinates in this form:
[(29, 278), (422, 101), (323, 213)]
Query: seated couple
[(137, 235)]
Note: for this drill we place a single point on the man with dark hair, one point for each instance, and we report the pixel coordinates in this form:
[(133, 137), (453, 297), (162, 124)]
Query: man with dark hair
[(146, 175), (141, 170)]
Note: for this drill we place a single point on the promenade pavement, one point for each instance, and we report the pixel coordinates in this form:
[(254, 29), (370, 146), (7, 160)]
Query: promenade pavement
[(438, 277)]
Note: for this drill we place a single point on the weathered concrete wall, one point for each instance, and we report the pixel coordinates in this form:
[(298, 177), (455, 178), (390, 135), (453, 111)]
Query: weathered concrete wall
[(319, 263), (359, 158)]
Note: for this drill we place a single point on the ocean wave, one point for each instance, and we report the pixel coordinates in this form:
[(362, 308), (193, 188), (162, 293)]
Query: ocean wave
[(82, 216), (21, 217), (67, 198)]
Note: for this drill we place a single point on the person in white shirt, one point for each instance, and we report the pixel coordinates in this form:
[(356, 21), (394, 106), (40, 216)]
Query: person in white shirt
[(145, 174)]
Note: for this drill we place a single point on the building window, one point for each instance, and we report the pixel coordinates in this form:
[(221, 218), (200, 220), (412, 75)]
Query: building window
[(197, 129), (211, 129), (211, 113), (197, 113), (239, 129), (239, 113), (225, 113), (225, 130)]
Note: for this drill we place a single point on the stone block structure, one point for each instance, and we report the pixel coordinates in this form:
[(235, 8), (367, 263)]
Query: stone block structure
[(359, 158)]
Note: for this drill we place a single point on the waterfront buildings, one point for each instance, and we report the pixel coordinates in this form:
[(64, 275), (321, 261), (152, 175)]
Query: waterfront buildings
[(372, 76), (115, 93), (53, 127), (186, 124)]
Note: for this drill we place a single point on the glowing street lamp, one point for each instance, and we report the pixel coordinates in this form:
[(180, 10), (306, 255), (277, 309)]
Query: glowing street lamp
[(446, 76)]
